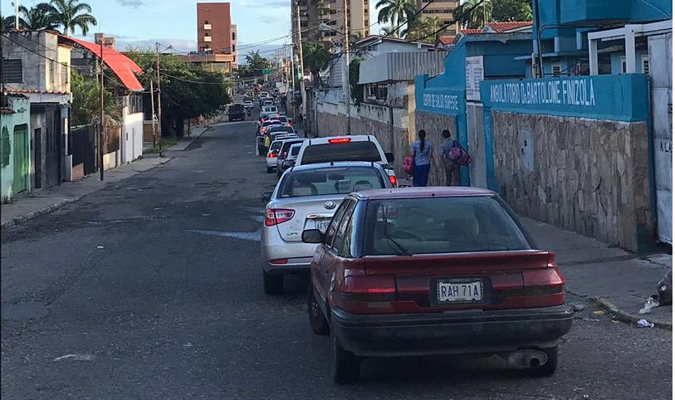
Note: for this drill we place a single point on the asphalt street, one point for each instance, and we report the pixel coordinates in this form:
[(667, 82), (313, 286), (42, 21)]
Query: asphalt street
[(152, 289)]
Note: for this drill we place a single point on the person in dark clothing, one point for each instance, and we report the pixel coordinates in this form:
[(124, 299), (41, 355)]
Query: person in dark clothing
[(451, 168)]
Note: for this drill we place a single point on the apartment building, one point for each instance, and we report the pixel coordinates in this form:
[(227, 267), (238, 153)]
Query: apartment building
[(216, 37), (330, 12), (108, 41), (443, 9)]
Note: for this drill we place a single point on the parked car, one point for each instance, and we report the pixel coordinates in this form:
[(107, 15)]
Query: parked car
[(283, 153), (248, 104), (347, 148), (289, 161), (271, 158), (431, 271), (236, 112), (261, 138), (268, 102), (266, 110), (306, 198), (280, 128)]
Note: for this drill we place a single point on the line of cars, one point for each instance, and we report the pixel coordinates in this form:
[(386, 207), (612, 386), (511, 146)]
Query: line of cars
[(406, 271)]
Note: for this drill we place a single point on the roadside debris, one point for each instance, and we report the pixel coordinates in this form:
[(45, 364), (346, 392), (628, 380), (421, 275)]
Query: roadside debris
[(643, 323), (578, 307), (599, 313), (100, 247), (651, 303)]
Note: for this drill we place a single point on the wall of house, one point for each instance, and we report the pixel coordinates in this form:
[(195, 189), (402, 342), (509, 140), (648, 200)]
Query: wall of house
[(132, 136), (8, 122)]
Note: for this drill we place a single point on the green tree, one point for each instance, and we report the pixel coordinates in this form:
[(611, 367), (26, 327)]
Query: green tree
[(34, 18), (257, 62), (315, 58), (355, 90), (389, 30), (86, 104), (70, 15), (474, 14), (188, 90), (512, 10), (396, 12), (424, 29)]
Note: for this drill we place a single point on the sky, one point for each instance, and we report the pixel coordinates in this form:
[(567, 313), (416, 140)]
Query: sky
[(141, 23)]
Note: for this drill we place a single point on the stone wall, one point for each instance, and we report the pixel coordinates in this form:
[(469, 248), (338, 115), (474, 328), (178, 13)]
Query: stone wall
[(589, 176), (433, 125)]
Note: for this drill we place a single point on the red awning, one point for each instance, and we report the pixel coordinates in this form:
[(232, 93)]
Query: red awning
[(124, 67)]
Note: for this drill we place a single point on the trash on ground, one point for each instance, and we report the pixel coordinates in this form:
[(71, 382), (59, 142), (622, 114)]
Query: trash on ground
[(100, 247), (651, 303), (665, 288), (599, 313), (578, 307), (643, 323)]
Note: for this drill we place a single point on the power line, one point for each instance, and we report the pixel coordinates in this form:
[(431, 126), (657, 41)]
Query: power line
[(192, 81), (461, 16)]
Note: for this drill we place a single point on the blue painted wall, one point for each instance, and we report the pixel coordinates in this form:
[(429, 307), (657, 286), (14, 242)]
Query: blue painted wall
[(579, 12)]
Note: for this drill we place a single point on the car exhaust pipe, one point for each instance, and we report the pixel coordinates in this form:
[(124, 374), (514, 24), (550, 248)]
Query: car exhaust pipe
[(528, 358)]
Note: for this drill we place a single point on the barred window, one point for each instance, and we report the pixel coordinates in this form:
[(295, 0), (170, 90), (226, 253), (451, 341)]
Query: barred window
[(12, 71)]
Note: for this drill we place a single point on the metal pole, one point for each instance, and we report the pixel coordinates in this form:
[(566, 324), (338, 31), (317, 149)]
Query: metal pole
[(302, 65), (538, 33), (159, 103), (101, 138), (348, 97), (152, 110)]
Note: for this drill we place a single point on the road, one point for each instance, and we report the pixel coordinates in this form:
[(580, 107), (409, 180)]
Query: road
[(152, 289)]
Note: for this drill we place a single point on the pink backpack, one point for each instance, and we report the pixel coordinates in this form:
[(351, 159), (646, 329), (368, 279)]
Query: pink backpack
[(408, 165), (458, 155)]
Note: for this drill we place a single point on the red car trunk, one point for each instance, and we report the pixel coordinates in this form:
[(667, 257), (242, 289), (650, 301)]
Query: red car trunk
[(401, 284)]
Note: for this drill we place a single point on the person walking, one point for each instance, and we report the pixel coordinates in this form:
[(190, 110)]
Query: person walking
[(450, 166), (423, 154)]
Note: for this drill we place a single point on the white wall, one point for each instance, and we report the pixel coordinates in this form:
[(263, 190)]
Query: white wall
[(132, 137)]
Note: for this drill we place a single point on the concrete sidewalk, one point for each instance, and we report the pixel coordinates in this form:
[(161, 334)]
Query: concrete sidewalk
[(616, 280), (25, 207)]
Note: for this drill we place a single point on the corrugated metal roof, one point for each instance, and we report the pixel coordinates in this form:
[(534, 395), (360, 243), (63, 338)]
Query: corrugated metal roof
[(401, 66)]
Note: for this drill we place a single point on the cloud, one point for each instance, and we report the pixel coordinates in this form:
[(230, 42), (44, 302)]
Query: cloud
[(265, 4), (131, 3), (178, 45), (272, 19)]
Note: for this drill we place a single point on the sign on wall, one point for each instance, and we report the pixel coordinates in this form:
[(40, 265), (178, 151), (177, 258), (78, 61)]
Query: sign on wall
[(474, 76)]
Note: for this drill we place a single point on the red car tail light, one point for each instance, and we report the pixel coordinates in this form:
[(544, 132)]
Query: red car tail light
[(392, 179), (369, 284), (276, 216), (271, 155), (339, 140), (543, 287), (279, 261)]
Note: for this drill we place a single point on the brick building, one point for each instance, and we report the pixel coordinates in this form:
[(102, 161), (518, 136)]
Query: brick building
[(215, 32)]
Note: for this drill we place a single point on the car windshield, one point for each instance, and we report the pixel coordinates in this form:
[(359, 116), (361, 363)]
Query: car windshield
[(440, 225), (275, 146), (287, 145), (282, 129), (352, 151), (327, 181), (283, 119), (295, 149)]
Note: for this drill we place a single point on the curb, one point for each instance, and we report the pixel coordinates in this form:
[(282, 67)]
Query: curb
[(627, 317), (53, 207)]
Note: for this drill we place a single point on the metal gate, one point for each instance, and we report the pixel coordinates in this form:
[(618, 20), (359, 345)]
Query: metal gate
[(52, 147), (476, 132), (20, 158), (660, 74), (84, 148)]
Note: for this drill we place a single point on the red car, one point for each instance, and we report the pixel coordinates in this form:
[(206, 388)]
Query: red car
[(430, 271)]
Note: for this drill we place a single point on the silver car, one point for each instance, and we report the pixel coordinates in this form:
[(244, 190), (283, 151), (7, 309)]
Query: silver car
[(306, 198)]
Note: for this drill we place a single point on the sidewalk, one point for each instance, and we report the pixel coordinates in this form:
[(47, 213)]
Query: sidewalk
[(26, 207), (613, 279)]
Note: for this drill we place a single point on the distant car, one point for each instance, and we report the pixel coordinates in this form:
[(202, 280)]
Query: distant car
[(280, 128), (434, 271), (347, 148), (289, 161), (306, 198), (236, 112), (268, 103), (248, 104), (271, 159), (283, 153), (261, 138), (266, 110)]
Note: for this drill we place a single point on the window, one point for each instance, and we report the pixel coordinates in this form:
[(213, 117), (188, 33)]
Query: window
[(342, 228), (353, 151), (234, 36), (440, 225), (13, 71), (556, 69), (328, 181), (332, 228), (234, 48), (5, 146), (645, 64)]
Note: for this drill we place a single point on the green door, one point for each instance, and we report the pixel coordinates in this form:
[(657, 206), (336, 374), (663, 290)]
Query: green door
[(20, 158)]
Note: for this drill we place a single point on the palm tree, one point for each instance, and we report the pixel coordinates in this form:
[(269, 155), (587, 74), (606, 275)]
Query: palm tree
[(424, 29), (396, 12), (389, 30), (34, 18), (71, 14), (474, 18), (315, 58)]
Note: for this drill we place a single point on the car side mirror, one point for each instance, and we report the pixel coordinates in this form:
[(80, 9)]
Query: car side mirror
[(312, 236), (390, 157), (266, 197)]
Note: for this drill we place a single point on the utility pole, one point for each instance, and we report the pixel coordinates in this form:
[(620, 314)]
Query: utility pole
[(348, 97), (16, 14), (537, 22), (101, 133), (159, 102), (302, 65), (152, 110)]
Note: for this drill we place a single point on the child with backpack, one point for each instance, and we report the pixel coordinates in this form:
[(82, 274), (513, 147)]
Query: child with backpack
[(454, 157)]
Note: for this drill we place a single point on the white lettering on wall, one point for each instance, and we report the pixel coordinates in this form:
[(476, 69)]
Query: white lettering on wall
[(576, 92), (444, 101)]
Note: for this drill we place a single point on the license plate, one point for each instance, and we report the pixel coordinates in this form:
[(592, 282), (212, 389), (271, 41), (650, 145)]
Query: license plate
[(451, 292), (322, 224)]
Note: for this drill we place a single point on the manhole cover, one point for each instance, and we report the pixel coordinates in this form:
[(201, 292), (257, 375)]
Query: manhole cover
[(24, 311)]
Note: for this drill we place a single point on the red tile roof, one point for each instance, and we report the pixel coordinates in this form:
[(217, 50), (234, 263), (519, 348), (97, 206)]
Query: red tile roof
[(501, 27), (471, 31), (124, 67), (23, 91), (446, 39)]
